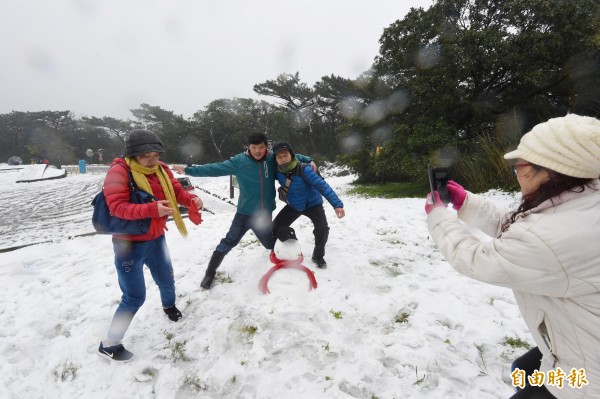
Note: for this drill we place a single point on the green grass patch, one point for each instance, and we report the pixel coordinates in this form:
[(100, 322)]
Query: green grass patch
[(336, 314), (392, 190), (249, 330), (515, 343), (402, 318)]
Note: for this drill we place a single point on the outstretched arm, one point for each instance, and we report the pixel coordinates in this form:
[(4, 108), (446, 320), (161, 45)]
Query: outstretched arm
[(224, 168), (179, 169), (325, 189)]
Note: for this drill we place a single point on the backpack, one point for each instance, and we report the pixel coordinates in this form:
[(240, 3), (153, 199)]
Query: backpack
[(106, 223), (297, 171)]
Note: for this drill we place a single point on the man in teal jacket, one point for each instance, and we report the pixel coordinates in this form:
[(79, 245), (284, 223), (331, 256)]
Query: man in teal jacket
[(255, 171)]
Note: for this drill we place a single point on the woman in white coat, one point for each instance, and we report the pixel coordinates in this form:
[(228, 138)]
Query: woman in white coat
[(547, 251)]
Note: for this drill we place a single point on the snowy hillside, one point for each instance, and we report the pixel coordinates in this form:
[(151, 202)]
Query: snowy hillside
[(389, 319)]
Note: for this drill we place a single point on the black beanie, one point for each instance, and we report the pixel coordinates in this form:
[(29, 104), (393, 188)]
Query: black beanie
[(281, 147), (140, 142)]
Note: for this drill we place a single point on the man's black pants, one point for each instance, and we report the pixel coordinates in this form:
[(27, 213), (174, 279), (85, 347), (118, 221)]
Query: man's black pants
[(316, 214)]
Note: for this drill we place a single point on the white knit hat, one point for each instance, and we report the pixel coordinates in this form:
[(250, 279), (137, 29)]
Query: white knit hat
[(569, 145)]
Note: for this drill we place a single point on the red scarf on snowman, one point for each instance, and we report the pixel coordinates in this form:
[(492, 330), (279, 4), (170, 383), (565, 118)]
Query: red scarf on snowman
[(286, 264)]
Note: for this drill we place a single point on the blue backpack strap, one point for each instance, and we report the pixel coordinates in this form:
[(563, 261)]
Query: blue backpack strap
[(132, 185), (139, 192)]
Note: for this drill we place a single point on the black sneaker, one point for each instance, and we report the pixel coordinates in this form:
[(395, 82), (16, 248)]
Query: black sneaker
[(320, 262), (173, 313), (116, 353)]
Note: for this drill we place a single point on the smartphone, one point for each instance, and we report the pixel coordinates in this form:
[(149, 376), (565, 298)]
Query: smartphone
[(438, 180)]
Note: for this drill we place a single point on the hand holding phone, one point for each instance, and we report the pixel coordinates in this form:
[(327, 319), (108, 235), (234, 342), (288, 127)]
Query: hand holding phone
[(438, 181), (433, 201), (457, 194)]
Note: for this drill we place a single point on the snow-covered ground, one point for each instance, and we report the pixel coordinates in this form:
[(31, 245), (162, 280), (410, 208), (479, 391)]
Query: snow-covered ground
[(389, 319)]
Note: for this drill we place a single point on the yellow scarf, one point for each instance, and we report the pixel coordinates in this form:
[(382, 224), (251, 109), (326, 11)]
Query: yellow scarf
[(139, 174)]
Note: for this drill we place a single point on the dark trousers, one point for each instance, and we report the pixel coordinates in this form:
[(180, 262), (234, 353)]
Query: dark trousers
[(530, 362), (259, 223), (316, 214)]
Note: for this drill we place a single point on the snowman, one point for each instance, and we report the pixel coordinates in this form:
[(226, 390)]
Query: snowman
[(287, 247), (287, 254)]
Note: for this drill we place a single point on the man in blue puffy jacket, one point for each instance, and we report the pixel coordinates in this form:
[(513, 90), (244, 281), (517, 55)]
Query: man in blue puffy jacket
[(255, 172), (303, 190)]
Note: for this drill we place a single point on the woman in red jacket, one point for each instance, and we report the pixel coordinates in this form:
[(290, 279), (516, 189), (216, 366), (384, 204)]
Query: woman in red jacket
[(132, 252)]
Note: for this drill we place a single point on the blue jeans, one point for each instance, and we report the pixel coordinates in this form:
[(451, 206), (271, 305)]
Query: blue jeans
[(261, 224), (130, 257)]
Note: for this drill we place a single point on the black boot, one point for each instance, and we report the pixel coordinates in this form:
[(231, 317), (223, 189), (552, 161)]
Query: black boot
[(211, 270)]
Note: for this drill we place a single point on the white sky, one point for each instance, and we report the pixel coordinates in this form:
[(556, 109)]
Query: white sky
[(102, 58)]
